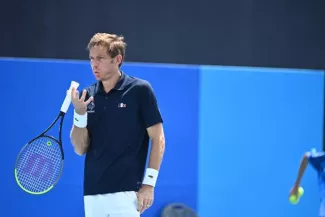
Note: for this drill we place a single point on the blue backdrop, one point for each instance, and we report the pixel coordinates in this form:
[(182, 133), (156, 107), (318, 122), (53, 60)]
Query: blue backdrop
[(255, 125), (234, 136)]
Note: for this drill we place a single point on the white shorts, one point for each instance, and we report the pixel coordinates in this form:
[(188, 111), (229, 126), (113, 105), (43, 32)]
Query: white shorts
[(121, 204)]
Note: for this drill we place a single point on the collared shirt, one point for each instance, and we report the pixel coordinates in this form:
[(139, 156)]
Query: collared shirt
[(117, 128)]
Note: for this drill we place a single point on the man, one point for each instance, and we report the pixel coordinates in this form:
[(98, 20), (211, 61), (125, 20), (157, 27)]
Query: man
[(114, 119), (317, 161)]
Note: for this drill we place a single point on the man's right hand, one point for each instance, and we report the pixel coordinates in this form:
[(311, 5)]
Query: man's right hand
[(80, 105), (294, 191)]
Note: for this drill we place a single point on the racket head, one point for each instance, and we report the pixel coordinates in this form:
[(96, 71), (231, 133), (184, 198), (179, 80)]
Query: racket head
[(39, 165)]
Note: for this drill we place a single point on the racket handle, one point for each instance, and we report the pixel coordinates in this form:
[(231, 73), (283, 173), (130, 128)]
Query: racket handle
[(67, 101)]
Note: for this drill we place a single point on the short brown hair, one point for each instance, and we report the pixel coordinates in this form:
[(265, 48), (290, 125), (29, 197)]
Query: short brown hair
[(115, 44)]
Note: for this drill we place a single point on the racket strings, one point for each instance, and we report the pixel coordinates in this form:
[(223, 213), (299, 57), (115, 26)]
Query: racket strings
[(39, 165)]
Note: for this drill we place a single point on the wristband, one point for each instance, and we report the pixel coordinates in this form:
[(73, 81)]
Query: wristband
[(150, 177), (80, 120)]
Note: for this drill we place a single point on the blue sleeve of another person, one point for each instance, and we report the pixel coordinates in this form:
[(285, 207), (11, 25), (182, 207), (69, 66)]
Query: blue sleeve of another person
[(316, 159), (149, 109)]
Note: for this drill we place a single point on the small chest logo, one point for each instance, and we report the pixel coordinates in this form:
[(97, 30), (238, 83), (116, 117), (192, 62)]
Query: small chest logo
[(121, 105), (91, 107)]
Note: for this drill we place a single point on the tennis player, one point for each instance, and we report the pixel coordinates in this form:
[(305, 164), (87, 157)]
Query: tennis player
[(114, 120), (317, 161)]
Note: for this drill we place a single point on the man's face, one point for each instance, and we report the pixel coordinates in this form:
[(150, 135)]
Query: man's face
[(102, 64)]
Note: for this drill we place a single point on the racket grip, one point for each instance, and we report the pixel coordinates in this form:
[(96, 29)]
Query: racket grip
[(67, 101)]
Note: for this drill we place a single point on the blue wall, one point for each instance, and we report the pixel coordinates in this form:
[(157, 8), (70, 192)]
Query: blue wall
[(234, 136), (255, 124), (36, 90)]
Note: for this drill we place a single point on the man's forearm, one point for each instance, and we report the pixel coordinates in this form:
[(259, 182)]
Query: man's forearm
[(302, 168), (157, 153), (79, 139)]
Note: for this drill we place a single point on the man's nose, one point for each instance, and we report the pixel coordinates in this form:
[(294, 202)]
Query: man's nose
[(94, 63)]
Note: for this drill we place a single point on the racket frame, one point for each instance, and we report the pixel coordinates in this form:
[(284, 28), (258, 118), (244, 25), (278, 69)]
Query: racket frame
[(61, 115)]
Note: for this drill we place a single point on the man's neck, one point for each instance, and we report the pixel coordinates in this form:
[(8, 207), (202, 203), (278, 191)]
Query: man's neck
[(111, 82)]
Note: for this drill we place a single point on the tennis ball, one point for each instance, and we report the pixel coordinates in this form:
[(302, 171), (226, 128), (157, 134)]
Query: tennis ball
[(300, 191), (49, 143), (293, 199)]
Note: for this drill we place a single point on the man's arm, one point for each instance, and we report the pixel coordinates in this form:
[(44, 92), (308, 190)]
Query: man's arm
[(79, 133), (152, 120), (302, 168), (79, 139), (156, 134)]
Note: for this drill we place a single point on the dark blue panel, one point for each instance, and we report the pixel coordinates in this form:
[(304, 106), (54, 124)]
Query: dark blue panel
[(255, 125), (33, 92)]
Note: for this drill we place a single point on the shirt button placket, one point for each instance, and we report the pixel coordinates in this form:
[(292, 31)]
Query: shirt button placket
[(106, 102)]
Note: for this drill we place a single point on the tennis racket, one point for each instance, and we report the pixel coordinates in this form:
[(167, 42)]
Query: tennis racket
[(39, 164)]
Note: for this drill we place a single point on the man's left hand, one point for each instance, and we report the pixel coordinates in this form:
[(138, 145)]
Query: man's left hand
[(145, 197)]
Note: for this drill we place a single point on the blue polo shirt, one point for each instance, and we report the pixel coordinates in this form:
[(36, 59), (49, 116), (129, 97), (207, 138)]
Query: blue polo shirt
[(317, 161), (117, 127)]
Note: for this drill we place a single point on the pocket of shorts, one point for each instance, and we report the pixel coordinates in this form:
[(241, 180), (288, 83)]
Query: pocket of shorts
[(131, 194), (133, 197), (130, 201)]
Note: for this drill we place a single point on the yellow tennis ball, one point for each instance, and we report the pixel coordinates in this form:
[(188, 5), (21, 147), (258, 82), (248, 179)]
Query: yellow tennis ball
[(293, 199), (300, 191)]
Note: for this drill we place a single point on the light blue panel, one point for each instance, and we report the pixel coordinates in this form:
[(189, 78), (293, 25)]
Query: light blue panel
[(255, 125)]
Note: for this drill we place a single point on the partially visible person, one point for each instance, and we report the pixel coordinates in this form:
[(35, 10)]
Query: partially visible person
[(317, 161), (114, 120)]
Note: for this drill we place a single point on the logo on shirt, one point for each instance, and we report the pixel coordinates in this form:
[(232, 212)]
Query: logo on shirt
[(91, 107), (121, 105)]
